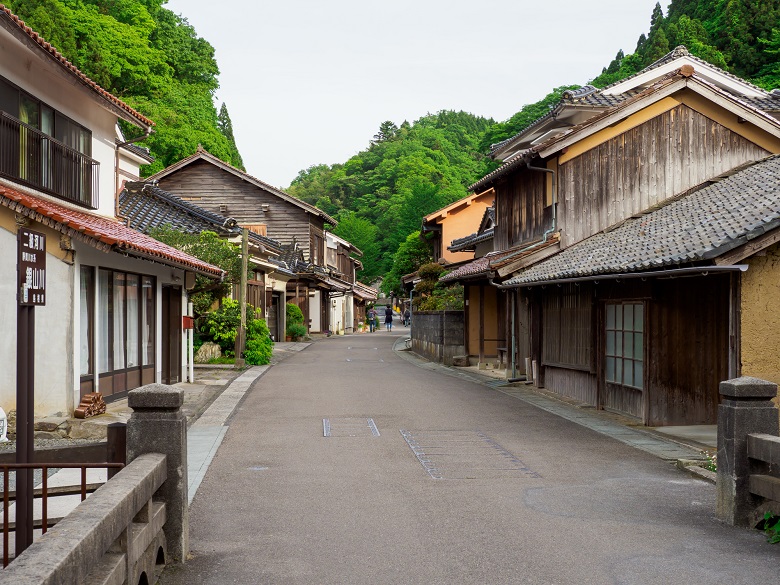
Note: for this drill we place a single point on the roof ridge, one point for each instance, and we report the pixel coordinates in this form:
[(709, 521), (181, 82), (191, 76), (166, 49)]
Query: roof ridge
[(202, 153)]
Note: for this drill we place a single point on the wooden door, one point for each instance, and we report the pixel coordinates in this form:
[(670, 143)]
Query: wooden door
[(171, 334)]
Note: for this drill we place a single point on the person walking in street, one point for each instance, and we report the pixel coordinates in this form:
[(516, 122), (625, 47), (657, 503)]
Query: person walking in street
[(371, 319), (389, 318), (407, 316)]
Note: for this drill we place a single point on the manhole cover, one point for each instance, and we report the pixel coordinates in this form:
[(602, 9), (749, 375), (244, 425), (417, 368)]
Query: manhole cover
[(446, 454)]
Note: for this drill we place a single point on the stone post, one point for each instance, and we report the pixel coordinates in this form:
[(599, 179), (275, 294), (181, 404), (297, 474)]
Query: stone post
[(746, 409), (158, 425)]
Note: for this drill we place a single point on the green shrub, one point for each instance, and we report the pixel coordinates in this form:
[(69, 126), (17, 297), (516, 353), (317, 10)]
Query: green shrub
[(296, 330), (294, 323), (294, 313), (259, 345), (221, 326)]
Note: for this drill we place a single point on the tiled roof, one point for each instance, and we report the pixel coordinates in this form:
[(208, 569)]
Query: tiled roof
[(203, 154), (476, 268), (695, 228), (364, 291), (676, 53), (520, 158), (146, 206), (102, 232), (141, 151), (15, 24), (589, 95), (469, 242)]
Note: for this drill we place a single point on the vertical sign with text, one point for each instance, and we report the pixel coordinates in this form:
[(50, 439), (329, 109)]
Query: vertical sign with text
[(32, 268)]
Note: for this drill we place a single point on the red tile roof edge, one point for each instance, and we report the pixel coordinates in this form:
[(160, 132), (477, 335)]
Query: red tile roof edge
[(101, 232), (70, 67)]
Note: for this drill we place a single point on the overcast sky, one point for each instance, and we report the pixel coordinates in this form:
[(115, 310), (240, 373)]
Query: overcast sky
[(309, 81)]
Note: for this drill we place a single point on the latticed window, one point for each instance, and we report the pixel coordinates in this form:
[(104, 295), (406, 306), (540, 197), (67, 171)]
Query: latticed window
[(625, 344)]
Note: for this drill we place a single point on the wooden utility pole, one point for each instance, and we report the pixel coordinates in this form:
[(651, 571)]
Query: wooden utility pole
[(241, 334)]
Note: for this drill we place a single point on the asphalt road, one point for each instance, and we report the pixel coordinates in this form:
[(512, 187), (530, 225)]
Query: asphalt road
[(462, 485)]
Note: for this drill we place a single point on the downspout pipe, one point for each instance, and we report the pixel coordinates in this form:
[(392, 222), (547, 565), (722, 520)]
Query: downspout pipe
[(554, 225), (116, 164)]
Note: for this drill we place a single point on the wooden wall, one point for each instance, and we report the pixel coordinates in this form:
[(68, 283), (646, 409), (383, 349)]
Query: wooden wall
[(686, 344), (520, 207), (209, 187), (630, 173), (689, 340)]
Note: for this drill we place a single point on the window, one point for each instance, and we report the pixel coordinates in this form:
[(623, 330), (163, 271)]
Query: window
[(258, 228), (86, 319), (126, 330), (566, 322), (625, 344), (45, 148)]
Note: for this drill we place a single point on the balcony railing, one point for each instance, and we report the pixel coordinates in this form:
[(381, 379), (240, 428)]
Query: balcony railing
[(37, 160)]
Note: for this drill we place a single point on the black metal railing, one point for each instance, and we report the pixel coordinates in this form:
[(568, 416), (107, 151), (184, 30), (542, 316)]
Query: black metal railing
[(33, 158)]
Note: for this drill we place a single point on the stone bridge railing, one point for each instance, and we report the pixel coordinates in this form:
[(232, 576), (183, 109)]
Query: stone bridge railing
[(131, 526), (748, 476)]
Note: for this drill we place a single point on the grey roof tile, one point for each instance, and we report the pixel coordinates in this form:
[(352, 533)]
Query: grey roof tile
[(695, 228)]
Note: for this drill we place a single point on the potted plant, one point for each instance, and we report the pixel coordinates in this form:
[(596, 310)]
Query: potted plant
[(294, 327)]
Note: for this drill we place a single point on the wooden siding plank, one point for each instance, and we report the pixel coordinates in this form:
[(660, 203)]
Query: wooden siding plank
[(661, 158)]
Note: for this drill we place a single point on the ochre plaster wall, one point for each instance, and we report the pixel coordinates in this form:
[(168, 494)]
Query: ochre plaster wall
[(761, 317)]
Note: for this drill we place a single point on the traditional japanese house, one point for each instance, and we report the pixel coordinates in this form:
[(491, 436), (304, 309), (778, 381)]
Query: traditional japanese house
[(637, 245), (110, 318), (145, 207), (220, 188)]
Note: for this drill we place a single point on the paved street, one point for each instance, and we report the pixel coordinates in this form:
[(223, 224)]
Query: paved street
[(347, 464)]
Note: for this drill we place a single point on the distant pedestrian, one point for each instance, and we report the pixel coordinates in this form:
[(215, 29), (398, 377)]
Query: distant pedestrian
[(371, 319), (407, 316), (389, 318)]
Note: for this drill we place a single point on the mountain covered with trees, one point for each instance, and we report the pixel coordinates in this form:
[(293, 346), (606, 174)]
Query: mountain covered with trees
[(150, 58), (154, 60)]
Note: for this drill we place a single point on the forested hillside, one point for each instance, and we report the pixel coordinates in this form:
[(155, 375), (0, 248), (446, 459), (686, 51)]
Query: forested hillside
[(380, 195), (378, 211), (155, 61), (150, 58)]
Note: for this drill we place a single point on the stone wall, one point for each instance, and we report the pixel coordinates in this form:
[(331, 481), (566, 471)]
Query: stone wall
[(438, 336)]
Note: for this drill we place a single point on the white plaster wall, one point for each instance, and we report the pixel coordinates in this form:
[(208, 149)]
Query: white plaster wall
[(48, 82), (314, 311), (53, 330), (337, 315)]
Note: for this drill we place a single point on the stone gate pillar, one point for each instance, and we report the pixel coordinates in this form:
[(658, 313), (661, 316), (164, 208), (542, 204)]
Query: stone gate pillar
[(746, 409), (158, 425)]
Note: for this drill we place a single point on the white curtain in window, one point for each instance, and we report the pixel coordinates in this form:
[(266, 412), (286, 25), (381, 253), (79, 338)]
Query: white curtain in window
[(119, 321), (133, 357), (85, 326), (147, 321), (104, 321)]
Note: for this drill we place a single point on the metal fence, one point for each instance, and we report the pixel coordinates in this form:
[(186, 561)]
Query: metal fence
[(38, 160)]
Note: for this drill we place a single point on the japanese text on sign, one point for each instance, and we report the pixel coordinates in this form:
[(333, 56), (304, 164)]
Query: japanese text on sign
[(32, 268)]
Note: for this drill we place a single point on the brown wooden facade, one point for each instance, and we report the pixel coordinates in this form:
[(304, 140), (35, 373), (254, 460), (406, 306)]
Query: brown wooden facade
[(683, 332), (679, 350), (212, 188)]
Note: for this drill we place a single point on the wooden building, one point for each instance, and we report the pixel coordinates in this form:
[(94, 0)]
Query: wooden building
[(622, 242), (220, 188)]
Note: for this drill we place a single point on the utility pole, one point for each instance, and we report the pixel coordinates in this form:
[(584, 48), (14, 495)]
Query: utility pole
[(241, 334)]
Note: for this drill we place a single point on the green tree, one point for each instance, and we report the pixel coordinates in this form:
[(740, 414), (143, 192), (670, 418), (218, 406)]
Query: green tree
[(209, 247), (226, 128), (411, 254), (363, 234)]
